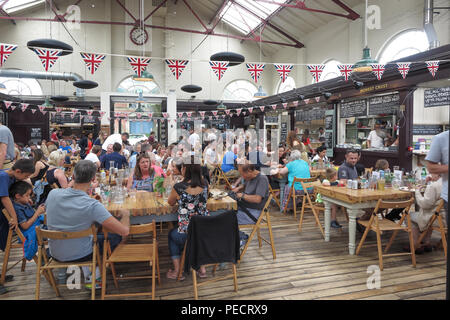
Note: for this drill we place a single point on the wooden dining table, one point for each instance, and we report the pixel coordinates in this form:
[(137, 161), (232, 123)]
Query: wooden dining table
[(355, 201), (148, 206)]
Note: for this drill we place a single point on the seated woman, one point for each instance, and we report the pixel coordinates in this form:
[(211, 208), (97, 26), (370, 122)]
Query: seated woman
[(420, 220), (381, 164), (142, 179), (39, 164), (296, 168), (191, 195), (321, 155), (55, 174)]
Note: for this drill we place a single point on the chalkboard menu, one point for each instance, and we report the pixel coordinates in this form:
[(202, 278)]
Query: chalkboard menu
[(330, 131), (36, 133), (329, 122), (355, 108), (163, 126), (271, 119), (437, 97), (284, 132), (88, 119), (426, 130), (388, 104), (311, 114), (329, 140), (64, 118)]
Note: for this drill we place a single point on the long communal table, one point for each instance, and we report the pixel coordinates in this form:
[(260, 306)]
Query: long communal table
[(355, 201)]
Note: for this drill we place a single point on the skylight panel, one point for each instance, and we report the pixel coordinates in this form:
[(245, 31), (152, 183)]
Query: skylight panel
[(12, 6)]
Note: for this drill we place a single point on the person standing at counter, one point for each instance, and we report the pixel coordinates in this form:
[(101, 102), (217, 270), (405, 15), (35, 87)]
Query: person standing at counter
[(376, 137)]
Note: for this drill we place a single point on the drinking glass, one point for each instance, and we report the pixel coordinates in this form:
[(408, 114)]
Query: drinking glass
[(132, 193), (396, 184), (111, 166)]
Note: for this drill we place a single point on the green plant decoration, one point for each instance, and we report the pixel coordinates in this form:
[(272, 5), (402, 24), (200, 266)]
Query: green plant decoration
[(159, 185)]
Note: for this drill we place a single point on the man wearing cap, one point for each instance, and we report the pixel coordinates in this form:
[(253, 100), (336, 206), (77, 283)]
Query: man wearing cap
[(376, 137)]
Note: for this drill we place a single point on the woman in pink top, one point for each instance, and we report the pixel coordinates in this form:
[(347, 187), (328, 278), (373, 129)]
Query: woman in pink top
[(158, 170)]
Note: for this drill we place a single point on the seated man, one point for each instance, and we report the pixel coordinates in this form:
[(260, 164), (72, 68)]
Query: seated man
[(252, 195), (347, 171), (228, 163), (119, 160), (72, 209)]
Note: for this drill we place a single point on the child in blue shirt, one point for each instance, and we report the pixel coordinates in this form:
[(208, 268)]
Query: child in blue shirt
[(20, 193)]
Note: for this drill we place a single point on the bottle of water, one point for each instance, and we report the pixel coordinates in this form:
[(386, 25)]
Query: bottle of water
[(423, 177), (381, 174)]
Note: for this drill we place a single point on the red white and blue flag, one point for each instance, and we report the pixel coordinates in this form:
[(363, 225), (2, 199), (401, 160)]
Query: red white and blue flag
[(92, 60), (219, 68), (255, 70), (403, 68), (346, 70), (283, 70), (5, 52), (250, 110), (433, 67), (316, 71), (8, 104), (139, 64), (48, 57), (177, 66), (24, 106), (378, 70), (262, 108)]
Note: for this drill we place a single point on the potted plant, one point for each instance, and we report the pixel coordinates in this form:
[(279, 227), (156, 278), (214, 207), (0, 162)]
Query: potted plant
[(159, 186)]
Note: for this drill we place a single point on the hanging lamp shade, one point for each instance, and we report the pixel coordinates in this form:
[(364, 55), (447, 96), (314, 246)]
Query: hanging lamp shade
[(59, 98), (260, 93), (221, 106), (191, 88), (364, 65), (210, 102), (47, 103), (233, 58), (145, 77), (85, 84), (2, 87), (51, 44), (140, 98)]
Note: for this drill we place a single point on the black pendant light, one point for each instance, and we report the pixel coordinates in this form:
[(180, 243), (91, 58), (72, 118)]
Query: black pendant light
[(85, 84), (59, 98), (210, 102), (191, 88), (51, 44), (233, 58)]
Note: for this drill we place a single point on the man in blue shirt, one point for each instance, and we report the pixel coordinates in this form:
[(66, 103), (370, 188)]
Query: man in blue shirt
[(119, 160), (65, 147), (228, 163)]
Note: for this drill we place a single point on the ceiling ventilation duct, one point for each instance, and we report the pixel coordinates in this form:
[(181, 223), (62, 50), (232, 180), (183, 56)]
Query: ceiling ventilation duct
[(428, 24)]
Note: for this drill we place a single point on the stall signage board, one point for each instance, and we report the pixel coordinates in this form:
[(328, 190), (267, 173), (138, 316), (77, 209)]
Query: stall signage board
[(357, 108), (284, 132), (330, 131), (437, 97), (427, 130), (388, 104), (65, 117), (271, 119)]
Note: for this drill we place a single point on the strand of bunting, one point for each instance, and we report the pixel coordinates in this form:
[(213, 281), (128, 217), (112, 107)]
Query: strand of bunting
[(93, 61)]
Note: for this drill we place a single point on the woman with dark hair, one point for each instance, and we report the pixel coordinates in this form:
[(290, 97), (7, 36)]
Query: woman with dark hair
[(39, 164), (192, 196), (143, 176), (321, 155)]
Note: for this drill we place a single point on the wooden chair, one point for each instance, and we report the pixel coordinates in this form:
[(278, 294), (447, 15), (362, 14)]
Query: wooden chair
[(12, 243), (441, 228), (368, 170), (45, 264), (308, 203), (293, 195), (379, 226), (262, 222), (273, 193), (133, 252), (221, 176)]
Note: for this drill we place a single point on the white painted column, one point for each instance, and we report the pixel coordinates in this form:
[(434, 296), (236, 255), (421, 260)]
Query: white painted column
[(352, 214), (172, 111)]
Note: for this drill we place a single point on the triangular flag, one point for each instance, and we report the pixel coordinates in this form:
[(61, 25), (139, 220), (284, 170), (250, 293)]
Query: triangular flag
[(48, 56), (306, 101), (180, 114), (346, 70), (274, 106), (283, 70), (58, 109), (138, 64), (285, 105), (5, 52), (33, 111), (227, 112), (219, 68), (138, 115), (13, 107), (74, 111), (165, 115), (24, 106), (295, 103), (150, 114), (255, 70), (378, 70), (44, 112), (73, 116), (433, 67), (202, 113), (189, 114), (317, 99), (316, 71), (41, 108), (102, 113), (262, 108), (8, 104), (214, 113), (250, 110), (238, 111), (89, 112), (92, 60), (176, 66), (403, 68)]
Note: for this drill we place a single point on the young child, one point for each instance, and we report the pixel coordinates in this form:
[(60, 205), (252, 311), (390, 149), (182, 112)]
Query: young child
[(331, 180), (27, 218)]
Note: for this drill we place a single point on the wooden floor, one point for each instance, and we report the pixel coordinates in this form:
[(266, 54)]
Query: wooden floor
[(306, 268)]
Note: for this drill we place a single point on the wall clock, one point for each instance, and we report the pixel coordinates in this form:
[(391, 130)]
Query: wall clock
[(139, 36)]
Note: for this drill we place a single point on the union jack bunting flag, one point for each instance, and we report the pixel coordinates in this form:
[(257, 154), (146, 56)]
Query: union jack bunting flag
[(58, 109), (176, 66), (7, 104), (33, 111), (139, 64), (295, 103), (189, 114), (274, 107), (89, 112), (317, 99), (214, 113), (180, 114), (150, 114), (41, 109), (433, 67), (227, 112), (219, 68), (238, 111), (283, 70), (5, 52), (378, 70), (255, 70), (403, 68), (48, 57), (316, 71), (138, 115), (306, 101), (262, 108), (165, 115), (250, 110), (92, 60), (102, 113), (13, 107), (285, 105), (202, 113), (346, 70), (25, 106)]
